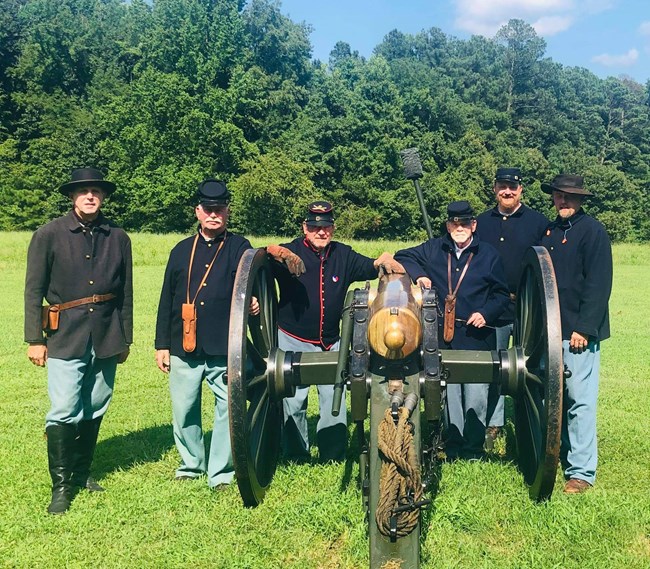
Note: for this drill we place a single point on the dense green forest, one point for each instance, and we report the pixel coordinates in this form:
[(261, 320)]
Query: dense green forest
[(162, 94)]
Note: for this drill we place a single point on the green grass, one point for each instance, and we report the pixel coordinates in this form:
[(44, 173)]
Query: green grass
[(312, 517)]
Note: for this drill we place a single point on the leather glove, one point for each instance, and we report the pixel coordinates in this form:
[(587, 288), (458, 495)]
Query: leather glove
[(290, 260), (390, 265)]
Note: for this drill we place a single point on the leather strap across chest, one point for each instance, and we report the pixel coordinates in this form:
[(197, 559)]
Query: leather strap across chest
[(207, 271), (462, 275)]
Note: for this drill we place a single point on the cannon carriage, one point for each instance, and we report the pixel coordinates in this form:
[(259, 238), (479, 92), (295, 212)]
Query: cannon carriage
[(395, 372)]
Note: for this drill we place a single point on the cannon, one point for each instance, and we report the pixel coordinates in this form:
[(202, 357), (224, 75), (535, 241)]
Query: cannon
[(391, 363)]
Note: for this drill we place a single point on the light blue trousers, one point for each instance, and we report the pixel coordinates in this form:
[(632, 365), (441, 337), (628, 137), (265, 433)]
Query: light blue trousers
[(79, 389), (579, 451), (185, 380), (496, 401), (331, 431)]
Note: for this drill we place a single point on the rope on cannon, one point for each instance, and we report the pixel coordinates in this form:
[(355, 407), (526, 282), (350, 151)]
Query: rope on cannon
[(400, 484)]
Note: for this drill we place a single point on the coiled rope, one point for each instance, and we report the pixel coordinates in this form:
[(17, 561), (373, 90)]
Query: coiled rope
[(400, 485)]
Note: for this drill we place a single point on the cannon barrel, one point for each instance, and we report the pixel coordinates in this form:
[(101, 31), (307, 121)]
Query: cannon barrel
[(395, 329)]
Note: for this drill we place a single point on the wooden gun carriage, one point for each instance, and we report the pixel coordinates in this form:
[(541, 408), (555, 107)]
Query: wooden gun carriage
[(391, 364)]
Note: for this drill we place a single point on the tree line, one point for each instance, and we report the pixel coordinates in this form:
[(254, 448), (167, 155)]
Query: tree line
[(162, 94)]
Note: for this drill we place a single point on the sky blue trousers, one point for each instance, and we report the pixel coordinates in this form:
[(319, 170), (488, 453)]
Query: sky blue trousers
[(331, 432), (185, 379), (79, 389), (579, 453)]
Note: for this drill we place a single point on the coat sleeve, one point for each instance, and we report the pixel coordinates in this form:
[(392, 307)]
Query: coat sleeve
[(127, 303), (36, 285), (163, 339), (498, 297), (360, 267), (597, 288), (415, 260)]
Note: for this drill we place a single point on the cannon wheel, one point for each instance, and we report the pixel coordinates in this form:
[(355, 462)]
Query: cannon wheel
[(255, 418), (538, 404)]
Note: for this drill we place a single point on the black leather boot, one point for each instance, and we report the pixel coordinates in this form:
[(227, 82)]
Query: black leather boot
[(60, 453), (84, 452)]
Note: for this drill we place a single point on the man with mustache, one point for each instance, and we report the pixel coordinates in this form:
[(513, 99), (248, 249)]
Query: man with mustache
[(310, 307), (192, 333), (511, 228)]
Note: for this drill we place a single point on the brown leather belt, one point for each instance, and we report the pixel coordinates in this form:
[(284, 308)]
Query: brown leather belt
[(50, 314), (94, 299)]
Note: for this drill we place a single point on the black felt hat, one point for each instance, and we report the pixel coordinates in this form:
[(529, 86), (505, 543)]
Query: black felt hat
[(460, 211), (87, 177), (320, 214), (508, 175), (213, 192), (567, 183)]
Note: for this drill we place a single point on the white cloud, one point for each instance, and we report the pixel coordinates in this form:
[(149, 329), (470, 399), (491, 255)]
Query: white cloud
[(550, 17), (624, 60), (489, 10), (551, 25), (644, 28)]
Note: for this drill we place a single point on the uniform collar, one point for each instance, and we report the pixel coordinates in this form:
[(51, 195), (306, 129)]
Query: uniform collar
[(320, 254), (518, 213), (449, 245), (216, 239), (75, 224), (569, 222)]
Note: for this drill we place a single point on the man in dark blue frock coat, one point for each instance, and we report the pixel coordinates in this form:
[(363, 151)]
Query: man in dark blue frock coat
[(309, 317), (481, 298), (511, 228)]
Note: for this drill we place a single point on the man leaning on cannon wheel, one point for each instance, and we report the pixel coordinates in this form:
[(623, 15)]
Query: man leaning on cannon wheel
[(81, 265), (582, 259), (310, 310)]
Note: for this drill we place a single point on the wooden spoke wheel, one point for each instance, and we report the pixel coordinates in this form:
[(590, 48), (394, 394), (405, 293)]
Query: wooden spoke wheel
[(255, 416), (538, 404)]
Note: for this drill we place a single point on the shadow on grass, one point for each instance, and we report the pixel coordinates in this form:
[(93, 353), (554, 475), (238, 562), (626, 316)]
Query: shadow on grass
[(136, 447), (312, 423)]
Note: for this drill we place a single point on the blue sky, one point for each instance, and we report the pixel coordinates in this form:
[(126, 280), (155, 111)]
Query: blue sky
[(608, 37)]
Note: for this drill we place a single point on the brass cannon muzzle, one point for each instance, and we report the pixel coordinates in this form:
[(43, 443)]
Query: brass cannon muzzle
[(394, 329)]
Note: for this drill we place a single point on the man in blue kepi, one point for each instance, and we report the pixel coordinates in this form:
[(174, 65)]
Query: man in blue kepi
[(511, 228), (468, 274), (310, 310), (192, 333)]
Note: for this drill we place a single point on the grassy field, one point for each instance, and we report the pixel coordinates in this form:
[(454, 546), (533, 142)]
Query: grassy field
[(312, 517)]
